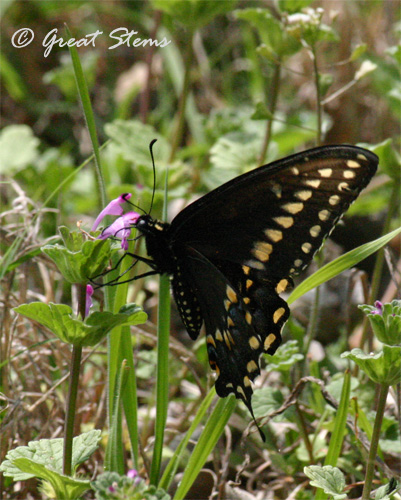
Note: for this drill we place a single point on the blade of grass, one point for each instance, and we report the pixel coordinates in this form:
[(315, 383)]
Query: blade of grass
[(114, 459), (174, 462), (337, 266), (207, 441), (89, 118), (337, 436)]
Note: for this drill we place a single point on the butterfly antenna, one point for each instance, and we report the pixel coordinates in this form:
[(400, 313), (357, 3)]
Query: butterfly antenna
[(154, 173)]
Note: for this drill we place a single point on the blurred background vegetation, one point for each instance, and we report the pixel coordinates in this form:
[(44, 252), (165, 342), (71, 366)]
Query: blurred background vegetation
[(235, 88)]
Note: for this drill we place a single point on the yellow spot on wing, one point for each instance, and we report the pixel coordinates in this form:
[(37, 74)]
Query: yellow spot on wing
[(315, 230), (293, 208), (304, 195), (281, 286), (231, 294), (248, 317), (324, 215), (254, 342), (274, 235), (285, 222), (348, 174), (210, 340), (269, 341), (251, 366), (247, 382), (325, 172), (219, 336), (315, 183), (278, 314), (353, 163)]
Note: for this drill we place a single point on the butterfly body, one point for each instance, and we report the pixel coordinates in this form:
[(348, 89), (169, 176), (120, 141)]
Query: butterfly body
[(232, 252)]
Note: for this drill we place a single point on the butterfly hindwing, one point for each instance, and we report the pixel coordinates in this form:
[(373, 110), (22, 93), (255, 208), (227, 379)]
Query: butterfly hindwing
[(243, 317)]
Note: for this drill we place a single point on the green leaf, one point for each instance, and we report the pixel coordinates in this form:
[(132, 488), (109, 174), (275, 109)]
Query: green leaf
[(58, 318), (65, 487), (285, 357), (292, 6), (194, 14), (13, 157), (384, 367), (329, 478), (261, 112), (266, 400), (49, 453), (387, 491), (389, 158), (277, 41), (358, 51), (337, 266), (78, 266)]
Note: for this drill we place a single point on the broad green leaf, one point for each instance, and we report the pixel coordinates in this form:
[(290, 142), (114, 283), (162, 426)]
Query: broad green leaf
[(389, 158), (13, 157), (132, 139), (266, 400), (329, 478), (58, 318), (387, 491), (277, 41), (337, 266), (384, 367), (285, 357), (80, 266), (49, 453), (65, 487)]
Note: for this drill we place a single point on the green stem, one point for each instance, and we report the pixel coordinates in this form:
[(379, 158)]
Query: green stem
[(370, 469), (73, 391), (318, 97), (274, 91), (179, 128)]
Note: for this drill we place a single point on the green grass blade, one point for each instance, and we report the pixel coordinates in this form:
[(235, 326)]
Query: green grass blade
[(207, 441), (89, 117), (114, 457), (174, 462), (337, 436), (337, 266)]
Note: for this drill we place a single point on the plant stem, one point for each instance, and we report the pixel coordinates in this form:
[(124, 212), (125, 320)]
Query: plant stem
[(273, 104), (318, 98), (178, 130), (73, 391), (70, 409), (375, 442)]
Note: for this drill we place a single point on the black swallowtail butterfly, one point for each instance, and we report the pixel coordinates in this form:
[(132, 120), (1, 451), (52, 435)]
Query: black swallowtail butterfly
[(232, 252)]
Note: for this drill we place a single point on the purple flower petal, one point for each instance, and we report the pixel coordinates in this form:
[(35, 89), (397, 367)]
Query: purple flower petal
[(121, 228), (379, 308), (113, 208), (88, 301), (132, 473)]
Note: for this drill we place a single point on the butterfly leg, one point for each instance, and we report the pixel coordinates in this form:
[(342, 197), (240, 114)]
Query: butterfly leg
[(116, 281)]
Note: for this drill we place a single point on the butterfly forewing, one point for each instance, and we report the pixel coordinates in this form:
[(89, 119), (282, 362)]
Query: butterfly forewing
[(277, 216)]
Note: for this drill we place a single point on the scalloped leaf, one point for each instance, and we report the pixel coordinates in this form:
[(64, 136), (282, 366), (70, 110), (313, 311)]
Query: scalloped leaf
[(58, 318)]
